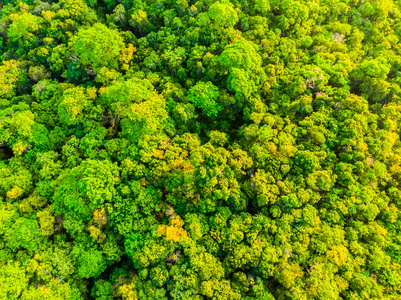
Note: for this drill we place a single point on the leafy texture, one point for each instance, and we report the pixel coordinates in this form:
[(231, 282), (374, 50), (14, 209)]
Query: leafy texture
[(200, 150)]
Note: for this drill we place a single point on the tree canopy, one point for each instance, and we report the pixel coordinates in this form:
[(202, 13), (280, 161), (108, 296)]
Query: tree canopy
[(200, 150)]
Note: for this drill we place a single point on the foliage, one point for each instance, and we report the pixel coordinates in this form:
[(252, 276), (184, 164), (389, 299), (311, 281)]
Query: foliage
[(225, 150), (98, 46)]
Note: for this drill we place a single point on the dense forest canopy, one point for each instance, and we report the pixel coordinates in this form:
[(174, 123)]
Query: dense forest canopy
[(200, 150)]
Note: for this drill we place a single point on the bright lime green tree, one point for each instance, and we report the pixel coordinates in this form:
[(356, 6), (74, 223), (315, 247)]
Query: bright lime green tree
[(98, 46)]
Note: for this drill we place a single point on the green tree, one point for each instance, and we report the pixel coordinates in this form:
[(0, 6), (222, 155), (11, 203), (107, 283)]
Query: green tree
[(23, 233), (88, 186), (204, 96), (13, 280), (136, 103), (98, 46), (91, 263), (23, 33), (74, 103), (223, 13)]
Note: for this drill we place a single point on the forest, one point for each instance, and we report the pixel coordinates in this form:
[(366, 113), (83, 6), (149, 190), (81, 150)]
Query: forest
[(200, 149)]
